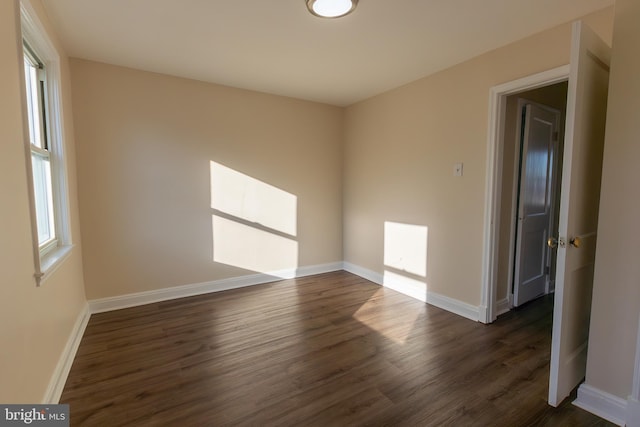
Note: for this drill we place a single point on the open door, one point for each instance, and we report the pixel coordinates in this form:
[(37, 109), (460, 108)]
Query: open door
[(579, 202), (539, 146)]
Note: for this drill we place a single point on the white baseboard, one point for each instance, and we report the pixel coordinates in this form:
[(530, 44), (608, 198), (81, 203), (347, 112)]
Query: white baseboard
[(503, 306), (454, 306), (157, 295), (365, 273), (61, 372), (633, 412), (605, 405), (483, 314), (446, 303)]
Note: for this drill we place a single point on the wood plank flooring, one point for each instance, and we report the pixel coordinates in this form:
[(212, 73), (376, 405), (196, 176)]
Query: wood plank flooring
[(326, 350)]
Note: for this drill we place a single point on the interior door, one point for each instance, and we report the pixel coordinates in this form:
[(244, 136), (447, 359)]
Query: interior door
[(539, 142), (579, 201)]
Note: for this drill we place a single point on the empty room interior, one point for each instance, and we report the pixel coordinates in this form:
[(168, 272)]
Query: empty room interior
[(299, 213)]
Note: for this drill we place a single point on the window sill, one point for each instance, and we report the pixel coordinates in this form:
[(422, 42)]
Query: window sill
[(51, 261)]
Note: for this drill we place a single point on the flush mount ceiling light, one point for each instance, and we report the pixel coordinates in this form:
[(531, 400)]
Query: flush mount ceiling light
[(331, 8)]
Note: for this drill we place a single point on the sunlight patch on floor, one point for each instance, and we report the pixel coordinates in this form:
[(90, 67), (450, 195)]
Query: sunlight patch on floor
[(381, 315)]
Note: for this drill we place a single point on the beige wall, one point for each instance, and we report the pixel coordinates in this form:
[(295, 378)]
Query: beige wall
[(616, 294), (553, 96), (35, 323), (400, 148), (145, 143)]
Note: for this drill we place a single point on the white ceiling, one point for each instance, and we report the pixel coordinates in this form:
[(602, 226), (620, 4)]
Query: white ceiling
[(276, 46)]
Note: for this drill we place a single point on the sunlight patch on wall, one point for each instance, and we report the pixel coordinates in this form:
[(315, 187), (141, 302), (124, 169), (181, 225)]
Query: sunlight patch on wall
[(405, 259), (252, 200), (405, 247), (253, 249), (254, 224)]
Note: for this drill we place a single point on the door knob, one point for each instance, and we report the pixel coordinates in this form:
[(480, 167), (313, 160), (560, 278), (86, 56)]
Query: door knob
[(552, 242), (576, 242)]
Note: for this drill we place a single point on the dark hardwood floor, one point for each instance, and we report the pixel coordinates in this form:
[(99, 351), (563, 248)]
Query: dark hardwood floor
[(326, 350)]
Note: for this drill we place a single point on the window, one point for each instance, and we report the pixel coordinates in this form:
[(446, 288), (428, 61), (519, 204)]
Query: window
[(40, 155), (44, 139)]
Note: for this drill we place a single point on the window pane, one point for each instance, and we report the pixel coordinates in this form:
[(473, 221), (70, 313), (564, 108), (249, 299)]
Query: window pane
[(43, 196), (33, 104)]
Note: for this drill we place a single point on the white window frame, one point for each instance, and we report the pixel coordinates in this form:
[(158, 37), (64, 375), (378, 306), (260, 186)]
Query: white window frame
[(48, 257)]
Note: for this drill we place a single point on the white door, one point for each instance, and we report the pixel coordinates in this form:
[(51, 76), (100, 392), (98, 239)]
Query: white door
[(579, 200), (539, 142)]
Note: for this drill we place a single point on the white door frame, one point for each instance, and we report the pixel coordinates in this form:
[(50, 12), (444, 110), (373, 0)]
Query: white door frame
[(493, 180), (633, 401)]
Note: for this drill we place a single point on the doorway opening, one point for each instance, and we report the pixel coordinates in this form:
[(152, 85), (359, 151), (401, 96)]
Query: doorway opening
[(503, 165), (533, 140)]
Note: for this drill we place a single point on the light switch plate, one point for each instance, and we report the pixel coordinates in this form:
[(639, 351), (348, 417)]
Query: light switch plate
[(457, 169)]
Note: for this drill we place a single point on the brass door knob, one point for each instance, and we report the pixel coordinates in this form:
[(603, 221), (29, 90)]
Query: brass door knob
[(576, 242), (552, 242)]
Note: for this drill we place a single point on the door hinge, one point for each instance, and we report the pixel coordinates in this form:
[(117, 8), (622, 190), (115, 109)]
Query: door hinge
[(547, 270), (556, 135)]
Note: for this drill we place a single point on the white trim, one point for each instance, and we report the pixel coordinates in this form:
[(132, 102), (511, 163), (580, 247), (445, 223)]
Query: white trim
[(605, 405), (503, 306), (453, 305), (483, 314), (405, 285), (310, 270), (61, 372), (633, 412), (493, 179), (141, 298), (32, 30), (633, 402), (365, 273), (446, 303), (50, 262), (635, 393)]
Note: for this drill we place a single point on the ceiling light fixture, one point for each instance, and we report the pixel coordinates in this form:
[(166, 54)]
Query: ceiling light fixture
[(331, 8)]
